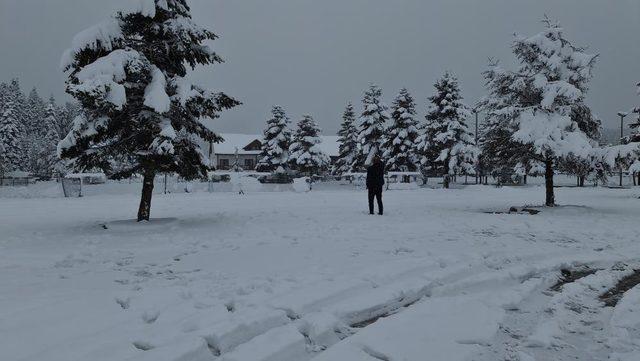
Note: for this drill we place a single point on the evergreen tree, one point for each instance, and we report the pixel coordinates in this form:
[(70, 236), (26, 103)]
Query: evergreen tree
[(534, 104), (19, 106), (399, 147), (66, 115), (425, 150), (348, 142), (4, 95), (372, 127), (306, 155), (129, 74), (35, 109), (501, 155), (275, 144), (449, 145), (35, 130), (10, 138), (634, 138), (48, 139), (591, 126)]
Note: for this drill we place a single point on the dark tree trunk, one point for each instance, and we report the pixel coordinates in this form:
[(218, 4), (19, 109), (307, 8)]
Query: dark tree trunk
[(548, 177), (581, 180), (144, 212), (525, 179), (446, 180)]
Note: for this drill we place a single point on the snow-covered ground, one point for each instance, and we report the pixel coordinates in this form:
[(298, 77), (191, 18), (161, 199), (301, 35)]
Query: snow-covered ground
[(286, 276)]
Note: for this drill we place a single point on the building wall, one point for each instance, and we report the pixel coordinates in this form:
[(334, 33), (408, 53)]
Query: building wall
[(226, 161)]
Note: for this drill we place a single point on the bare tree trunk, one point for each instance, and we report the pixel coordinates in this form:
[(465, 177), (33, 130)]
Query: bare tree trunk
[(144, 212), (548, 177), (446, 180)]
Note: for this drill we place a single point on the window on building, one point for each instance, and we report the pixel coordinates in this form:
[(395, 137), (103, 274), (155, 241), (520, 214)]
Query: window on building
[(248, 164), (223, 164)]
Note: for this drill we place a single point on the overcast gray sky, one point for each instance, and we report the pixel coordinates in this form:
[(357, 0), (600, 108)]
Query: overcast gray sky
[(312, 56)]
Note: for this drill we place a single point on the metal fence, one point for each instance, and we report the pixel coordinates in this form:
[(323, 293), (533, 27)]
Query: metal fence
[(15, 182), (72, 187)]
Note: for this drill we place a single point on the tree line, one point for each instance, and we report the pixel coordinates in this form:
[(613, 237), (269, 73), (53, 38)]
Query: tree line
[(140, 114), (284, 150), (440, 145), (30, 129), (536, 123)]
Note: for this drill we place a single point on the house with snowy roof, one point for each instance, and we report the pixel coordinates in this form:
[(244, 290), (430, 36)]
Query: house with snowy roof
[(244, 150)]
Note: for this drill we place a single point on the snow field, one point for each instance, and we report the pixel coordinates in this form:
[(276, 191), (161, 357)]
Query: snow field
[(310, 276)]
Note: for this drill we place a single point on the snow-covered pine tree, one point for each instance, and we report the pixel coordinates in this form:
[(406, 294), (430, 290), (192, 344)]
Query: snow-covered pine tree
[(275, 144), (501, 155), (372, 127), (425, 150), (48, 139), (10, 138), (34, 131), (450, 140), (634, 137), (540, 96), (129, 74), (17, 98), (4, 94), (581, 167), (66, 115), (348, 142), (399, 147), (306, 155), (35, 111)]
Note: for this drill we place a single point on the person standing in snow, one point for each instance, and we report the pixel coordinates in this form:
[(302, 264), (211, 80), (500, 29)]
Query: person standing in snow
[(375, 182)]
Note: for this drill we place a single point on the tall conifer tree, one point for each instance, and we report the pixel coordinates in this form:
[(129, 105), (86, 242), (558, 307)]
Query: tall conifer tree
[(129, 75)]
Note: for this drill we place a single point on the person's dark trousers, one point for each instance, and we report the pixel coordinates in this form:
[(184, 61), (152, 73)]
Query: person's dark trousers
[(377, 194)]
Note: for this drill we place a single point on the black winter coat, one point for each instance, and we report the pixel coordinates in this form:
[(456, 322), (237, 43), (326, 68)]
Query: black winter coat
[(375, 176)]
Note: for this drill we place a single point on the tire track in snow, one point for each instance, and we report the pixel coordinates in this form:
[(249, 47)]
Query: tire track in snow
[(303, 335), (560, 323)]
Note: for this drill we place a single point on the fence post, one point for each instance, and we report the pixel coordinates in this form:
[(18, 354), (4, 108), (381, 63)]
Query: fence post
[(165, 183)]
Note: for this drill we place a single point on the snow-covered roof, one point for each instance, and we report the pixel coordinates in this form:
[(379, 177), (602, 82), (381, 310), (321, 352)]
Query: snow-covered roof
[(232, 141)]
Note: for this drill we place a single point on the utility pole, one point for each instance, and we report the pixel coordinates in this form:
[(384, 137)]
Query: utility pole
[(622, 115)]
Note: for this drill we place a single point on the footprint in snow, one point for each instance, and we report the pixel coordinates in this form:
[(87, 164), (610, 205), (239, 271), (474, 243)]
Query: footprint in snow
[(150, 317), (124, 303)]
